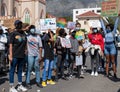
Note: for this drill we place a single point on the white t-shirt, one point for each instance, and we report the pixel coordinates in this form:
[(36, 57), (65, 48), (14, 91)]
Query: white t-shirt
[(33, 45)]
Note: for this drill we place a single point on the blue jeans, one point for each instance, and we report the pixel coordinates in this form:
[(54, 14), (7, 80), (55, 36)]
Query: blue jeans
[(19, 62), (55, 62), (48, 66), (33, 61)]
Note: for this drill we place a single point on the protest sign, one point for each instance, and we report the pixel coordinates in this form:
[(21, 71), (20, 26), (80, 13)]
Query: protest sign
[(65, 42), (71, 25), (110, 8), (49, 23), (94, 23)]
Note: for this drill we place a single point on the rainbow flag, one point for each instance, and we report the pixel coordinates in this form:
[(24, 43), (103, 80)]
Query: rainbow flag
[(61, 22)]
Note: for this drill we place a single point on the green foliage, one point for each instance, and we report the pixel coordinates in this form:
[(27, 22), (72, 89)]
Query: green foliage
[(111, 20), (68, 18)]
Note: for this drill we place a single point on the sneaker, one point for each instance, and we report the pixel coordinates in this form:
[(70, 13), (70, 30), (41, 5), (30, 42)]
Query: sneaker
[(102, 70), (82, 72), (23, 74), (50, 82), (28, 86), (44, 84), (39, 85), (21, 88), (33, 73), (12, 89), (96, 74), (115, 76), (70, 77), (92, 74)]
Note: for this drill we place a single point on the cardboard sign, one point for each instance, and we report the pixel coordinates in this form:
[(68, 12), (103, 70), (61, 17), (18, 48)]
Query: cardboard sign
[(110, 8), (79, 60), (94, 23), (49, 23), (65, 43), (71, 25)]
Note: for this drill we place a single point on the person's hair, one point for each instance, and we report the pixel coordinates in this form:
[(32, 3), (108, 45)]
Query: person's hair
[(1, 30), (111, 26), (61, 32), (31, 27), (94, 29), (73, 34), (24, 25), (77, 24)]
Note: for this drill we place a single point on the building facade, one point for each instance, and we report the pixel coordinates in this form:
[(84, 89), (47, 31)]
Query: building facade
[(77, 12), (29, 11)]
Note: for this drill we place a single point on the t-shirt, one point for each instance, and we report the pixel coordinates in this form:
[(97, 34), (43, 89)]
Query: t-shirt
[(48, 48), (80, 35), (18, 41), (3, 41), (33, 45)]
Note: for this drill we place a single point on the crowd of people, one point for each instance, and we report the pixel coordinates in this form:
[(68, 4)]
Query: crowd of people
[(53, 53)]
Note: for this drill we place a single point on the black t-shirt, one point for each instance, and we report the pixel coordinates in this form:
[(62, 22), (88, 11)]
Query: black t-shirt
[(18, 41), (48, 48)]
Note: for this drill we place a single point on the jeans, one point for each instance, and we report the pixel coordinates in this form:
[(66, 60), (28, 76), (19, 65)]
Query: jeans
[(55, 62), (19, 62), (71, 63), (33, 61), (95, 61), (48, 66), (60, 64), (2, 59)]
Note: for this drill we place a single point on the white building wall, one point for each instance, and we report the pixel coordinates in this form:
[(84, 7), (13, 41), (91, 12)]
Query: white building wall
[(83, 10)]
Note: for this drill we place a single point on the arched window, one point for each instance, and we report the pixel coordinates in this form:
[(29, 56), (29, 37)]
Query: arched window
[(3, 10), (14, 12), (27, 16)]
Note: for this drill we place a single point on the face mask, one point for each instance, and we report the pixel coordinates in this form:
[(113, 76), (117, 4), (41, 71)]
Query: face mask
[(77, 28), (95, 30), (108, 31), (32, 31)]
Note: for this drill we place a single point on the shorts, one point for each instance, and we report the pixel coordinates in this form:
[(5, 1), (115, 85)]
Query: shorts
[(110, 49)]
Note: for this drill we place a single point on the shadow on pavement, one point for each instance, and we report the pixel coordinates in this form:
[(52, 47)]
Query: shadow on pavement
[(115, 80), (3, 80), (118, 90)]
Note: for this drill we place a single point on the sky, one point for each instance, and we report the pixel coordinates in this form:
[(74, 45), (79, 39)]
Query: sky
[(62, 8)]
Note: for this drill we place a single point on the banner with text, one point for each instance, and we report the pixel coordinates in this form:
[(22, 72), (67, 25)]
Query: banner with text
[(49, 23), (110, 8)]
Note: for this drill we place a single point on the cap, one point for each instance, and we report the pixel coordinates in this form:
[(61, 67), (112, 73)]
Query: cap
[(17, 21)]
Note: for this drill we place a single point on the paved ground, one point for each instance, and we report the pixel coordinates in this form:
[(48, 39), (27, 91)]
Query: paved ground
[(88, 84)]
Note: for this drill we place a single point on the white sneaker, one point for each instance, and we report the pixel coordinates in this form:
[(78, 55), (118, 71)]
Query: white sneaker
[(96, 74), (21, 88), (23, 74), (92, 74), (12, 89), (82, 72), (33, 73)]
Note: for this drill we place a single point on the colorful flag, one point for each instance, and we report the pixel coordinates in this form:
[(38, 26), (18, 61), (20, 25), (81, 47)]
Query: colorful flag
[(61, 22)]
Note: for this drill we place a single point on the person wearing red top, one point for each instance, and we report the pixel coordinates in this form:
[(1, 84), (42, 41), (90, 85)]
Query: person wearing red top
[(96, 39)]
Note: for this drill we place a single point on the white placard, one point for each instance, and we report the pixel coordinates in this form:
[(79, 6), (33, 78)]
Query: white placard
[(94, 23), (48, 23), (79, 60)]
